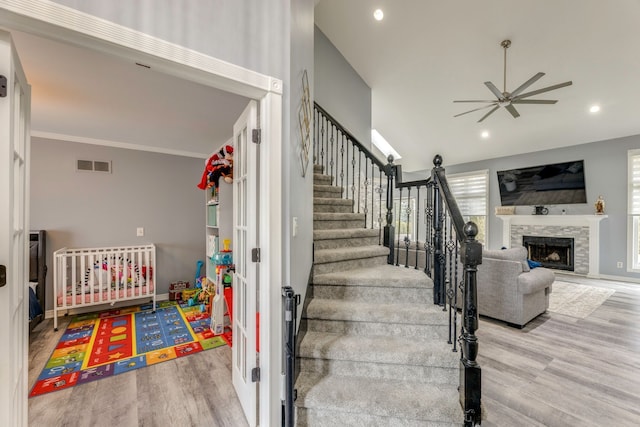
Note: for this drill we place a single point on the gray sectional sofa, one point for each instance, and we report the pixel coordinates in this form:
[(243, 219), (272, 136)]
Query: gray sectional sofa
[(509, 290)]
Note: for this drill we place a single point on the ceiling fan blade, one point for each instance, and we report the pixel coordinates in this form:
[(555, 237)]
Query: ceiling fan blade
[(491, 101), (526, 84), (543, 90), (510, 108), (476, 109), (489, 113), (494, 89), (534, 101)]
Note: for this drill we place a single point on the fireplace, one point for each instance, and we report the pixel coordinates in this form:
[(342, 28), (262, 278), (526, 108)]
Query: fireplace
[(552, 252)]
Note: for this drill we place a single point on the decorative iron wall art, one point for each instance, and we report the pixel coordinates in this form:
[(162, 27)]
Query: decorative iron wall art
[(304, 121)]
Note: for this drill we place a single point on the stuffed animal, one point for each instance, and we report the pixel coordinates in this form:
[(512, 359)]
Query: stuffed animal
[(220, 164)]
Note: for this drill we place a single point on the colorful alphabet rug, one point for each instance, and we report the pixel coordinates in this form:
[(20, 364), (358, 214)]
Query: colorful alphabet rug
[(98, 345)]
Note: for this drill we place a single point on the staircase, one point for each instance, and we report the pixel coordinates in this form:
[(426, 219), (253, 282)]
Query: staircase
[(375, 350)]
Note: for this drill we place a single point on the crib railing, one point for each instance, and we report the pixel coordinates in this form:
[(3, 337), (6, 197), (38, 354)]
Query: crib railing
[(92, 276)]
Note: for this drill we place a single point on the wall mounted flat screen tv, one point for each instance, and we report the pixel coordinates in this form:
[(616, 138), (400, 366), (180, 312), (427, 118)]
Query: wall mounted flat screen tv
[(552, 184)]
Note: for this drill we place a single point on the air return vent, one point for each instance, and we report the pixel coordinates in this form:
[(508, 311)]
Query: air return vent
[(93, 166)]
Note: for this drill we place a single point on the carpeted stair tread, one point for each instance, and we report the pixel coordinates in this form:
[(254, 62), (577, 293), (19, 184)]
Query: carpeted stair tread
[(323, 256), (379, 397), (387, 349), (322, 179), (317, 417), (338, 216), (402, 313), (332, 201), (318, 168), (326, 188), (344, 233), (381, 275)]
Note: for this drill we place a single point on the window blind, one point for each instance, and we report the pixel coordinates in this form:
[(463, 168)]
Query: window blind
[(470, 191), (634, 182)]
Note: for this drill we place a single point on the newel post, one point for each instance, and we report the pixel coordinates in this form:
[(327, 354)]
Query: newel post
[(389, 231), (438, 244), (470, 372)]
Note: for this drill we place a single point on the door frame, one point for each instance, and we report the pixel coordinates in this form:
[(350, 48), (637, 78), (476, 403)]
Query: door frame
[(57, 22)]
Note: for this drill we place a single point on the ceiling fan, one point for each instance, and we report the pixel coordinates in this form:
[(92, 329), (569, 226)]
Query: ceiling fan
[(508, 99)]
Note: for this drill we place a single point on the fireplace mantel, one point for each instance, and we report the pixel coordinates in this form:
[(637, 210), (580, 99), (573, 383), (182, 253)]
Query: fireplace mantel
[(590, 221)]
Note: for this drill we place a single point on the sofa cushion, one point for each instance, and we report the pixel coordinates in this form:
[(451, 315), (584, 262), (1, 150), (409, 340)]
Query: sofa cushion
[(535, 280), (519, 253)]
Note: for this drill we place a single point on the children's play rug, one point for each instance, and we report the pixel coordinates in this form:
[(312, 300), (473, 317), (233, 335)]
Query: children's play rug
[(98, 345)]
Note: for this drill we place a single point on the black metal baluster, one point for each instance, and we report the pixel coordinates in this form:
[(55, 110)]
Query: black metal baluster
[(389, 231), (343, 193), (353, 178), (366, 191), (407, 239), (417, 240), (455, 299), (399, 229), (359, 176), (373, 187), (380, 206), (330, 154)]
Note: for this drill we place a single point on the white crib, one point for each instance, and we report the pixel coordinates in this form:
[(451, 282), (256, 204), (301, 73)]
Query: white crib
[(92, 276)]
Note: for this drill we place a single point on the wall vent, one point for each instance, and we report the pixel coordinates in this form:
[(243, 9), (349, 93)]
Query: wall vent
[(93, 166)]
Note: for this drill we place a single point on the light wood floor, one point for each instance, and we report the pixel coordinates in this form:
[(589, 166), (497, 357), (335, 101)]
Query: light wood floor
[(188, 391), (563, 371), (557, 371)]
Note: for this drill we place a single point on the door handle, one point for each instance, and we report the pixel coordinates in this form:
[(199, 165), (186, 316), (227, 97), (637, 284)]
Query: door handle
[(3, 275)]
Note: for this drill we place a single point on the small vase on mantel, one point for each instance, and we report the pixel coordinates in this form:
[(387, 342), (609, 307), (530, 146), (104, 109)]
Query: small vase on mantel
[(599, 205)]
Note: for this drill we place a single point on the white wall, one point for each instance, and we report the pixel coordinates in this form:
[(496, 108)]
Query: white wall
[(150, 190)]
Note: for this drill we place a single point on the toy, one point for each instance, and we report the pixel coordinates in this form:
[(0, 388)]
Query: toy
[(219, 165), (224, 261)]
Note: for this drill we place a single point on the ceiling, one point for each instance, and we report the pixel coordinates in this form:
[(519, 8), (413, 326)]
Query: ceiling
[(426, 53), (83, 95)]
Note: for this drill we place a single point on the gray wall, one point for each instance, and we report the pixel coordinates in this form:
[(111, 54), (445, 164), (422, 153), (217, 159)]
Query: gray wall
[(298, 189), (249, 33), (273, 37), (340, 90), (150, 190), (605, 164)]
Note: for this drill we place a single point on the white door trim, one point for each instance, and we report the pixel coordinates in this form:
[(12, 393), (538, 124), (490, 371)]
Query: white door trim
[(60, 23)]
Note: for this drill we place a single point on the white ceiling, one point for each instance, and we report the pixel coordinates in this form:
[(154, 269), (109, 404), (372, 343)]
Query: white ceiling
[(426, 53), (87, 95)]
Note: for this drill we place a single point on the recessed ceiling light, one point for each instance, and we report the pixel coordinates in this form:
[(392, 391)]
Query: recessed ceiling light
[(484, 134), (594, 108), (378, 14)]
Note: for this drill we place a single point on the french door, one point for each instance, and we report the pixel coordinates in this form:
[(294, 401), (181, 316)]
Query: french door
[(14, 210), (245, 286)]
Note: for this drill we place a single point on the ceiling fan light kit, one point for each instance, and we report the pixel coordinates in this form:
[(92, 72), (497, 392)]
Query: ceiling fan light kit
[(509, 99)]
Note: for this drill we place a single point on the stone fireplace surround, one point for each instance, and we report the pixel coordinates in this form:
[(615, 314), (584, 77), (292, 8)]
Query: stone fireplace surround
[(584, 229)]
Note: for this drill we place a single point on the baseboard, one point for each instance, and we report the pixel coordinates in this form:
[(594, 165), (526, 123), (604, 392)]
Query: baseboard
[(49, 313)]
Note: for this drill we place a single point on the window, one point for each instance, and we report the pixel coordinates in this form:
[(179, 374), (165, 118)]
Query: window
[(633, 207), (471, 190), (405, 218)]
